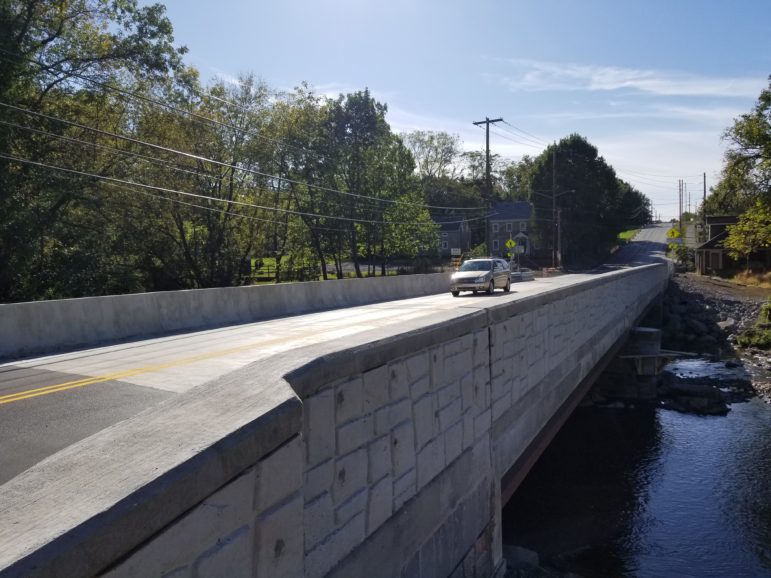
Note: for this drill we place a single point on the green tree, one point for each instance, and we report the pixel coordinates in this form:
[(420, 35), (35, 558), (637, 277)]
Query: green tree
[(579, 202), (51, 55), (752, 232), (746, 175), (436, 153), (517, 179), (358, 128)]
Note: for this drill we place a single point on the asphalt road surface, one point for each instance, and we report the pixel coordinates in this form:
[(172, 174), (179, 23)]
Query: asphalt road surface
[(48, 403)]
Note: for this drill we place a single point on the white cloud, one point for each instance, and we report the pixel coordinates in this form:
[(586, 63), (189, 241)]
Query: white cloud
[(534, 75)]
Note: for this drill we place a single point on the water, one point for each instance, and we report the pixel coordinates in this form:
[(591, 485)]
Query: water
[(651, 493)]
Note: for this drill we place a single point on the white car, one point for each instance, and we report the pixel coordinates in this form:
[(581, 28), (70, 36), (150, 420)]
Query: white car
[(481, 275)]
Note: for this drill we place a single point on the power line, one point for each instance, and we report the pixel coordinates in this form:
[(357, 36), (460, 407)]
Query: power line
[(526, 135), (222, 164), (193, 115), (511, 139), (199, 196)]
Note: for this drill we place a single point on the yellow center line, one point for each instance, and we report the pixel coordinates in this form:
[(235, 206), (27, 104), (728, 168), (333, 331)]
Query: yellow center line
[(10, 398)]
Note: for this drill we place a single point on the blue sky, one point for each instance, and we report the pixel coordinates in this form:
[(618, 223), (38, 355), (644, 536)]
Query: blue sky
[(652, 84)]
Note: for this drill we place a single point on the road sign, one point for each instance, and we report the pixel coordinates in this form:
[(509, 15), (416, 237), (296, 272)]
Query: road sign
[(511, 243)]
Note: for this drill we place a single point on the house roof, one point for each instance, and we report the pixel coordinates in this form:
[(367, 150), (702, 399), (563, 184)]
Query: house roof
[(715, 242), (511, 211), (722, 219), (450, 223)]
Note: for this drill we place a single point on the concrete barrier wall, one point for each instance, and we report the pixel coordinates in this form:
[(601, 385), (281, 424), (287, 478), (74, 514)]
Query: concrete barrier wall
[(47, 326), (393, 468)]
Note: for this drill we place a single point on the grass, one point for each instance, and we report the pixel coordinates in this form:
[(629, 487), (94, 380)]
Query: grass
[(753, 279), (626, 236)]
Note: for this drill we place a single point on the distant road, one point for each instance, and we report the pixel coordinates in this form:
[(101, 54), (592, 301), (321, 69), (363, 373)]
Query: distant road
[(48, 403), (648, 246)]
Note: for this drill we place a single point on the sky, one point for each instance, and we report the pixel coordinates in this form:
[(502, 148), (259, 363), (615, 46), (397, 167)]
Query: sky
[(653, 84)]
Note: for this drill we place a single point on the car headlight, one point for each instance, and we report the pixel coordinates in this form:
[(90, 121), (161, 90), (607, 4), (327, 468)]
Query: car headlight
[(480, 279)]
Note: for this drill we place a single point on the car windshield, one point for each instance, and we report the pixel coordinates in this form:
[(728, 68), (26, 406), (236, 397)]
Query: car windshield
[(476, 266)]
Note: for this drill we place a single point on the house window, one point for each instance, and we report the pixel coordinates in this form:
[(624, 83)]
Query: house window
[(444, 234), (495, 227), (444, 244), (496, 245), (509, 226), (522, 226)]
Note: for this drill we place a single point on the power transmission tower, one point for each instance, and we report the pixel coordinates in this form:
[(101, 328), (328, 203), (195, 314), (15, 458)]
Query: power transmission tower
[(488, 182)]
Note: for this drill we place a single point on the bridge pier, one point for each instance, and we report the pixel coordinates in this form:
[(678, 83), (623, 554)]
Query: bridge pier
[(633, 374)]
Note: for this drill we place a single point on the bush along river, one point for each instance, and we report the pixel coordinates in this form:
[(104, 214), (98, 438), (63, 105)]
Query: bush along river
[(675, 486)]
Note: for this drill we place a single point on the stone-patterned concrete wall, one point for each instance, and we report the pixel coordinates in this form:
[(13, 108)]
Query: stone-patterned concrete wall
[(377, 439), (249, 527), (396, 469)]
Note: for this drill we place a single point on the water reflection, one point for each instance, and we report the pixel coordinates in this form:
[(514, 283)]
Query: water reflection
[(651, 493), (585, 501)]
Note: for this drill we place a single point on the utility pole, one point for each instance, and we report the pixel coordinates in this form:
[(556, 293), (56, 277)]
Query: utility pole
[(488, 183), (704, 207), (553, 207)]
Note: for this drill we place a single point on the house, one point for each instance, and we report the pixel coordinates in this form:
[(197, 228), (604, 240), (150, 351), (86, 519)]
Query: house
[(454, 235), (507, 228), (711, 257)]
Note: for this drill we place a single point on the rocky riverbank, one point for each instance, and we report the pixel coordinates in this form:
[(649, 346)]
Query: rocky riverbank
[(702, 318), (705, 316)]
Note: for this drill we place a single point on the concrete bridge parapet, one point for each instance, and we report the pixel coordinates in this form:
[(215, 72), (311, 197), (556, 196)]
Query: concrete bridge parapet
[(383, 455)]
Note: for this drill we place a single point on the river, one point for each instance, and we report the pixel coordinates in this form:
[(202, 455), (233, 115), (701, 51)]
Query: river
[(650, 492)]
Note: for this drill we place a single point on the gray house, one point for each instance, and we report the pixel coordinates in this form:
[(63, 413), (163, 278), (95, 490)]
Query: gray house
[(507, 228), (454, 236)]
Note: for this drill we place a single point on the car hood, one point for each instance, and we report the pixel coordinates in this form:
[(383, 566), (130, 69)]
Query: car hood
[(469, 274)]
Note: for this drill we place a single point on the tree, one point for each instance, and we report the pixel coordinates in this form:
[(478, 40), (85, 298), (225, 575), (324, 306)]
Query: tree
[(579, 201), (57, 59), (436, 153), (746, 175), (358, 129), (752, 232), (517, 179)]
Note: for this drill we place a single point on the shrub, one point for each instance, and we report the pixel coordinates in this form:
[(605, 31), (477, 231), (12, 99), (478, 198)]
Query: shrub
[(758, 336)]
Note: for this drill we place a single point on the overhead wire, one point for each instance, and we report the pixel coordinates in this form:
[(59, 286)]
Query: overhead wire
[(522, 134), (193, 115), (198, 117), (197, 195), (201, 158), (511, 139)]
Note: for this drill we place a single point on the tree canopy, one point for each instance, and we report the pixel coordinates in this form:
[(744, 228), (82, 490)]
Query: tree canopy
[(746, 175)]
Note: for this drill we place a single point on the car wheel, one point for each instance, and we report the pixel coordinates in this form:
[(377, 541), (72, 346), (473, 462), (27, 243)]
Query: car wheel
[(455, 293), (491, 287), (507, 288)]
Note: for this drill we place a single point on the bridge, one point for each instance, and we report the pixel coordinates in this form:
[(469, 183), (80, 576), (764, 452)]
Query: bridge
[(385, 451)]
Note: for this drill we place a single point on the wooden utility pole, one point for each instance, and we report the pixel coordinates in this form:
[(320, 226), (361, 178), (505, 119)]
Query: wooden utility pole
[(554, 207), (488, 182)]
